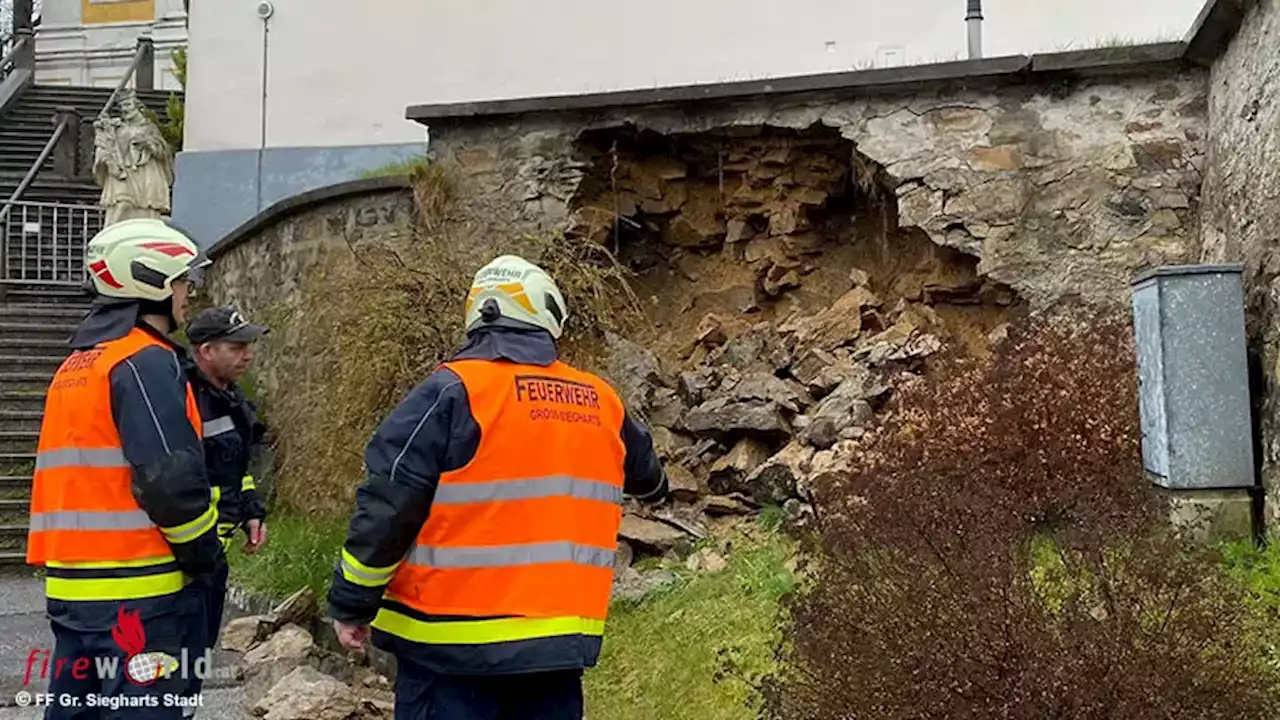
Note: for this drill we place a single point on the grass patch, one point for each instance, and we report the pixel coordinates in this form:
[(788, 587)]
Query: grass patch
[(1258, 570), (300, 551), (408, 166), (697, 648)]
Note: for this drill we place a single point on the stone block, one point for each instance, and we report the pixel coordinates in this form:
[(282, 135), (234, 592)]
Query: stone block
[(1212, 515)]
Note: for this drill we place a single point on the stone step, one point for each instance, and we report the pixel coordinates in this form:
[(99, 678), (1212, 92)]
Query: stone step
[(20, 420), (51, 190), (63, 315), (17, 463), (34, 347), (31, 362), (50, 345), (19, 441), (15, 485), (25, 380), (38, 295), (15, 511), (13, 558), (16, 140), (13, 537), (23, 400), (58, 333)]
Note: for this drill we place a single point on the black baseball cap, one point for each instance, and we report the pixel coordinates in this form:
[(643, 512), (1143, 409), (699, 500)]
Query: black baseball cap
[(223, 323)]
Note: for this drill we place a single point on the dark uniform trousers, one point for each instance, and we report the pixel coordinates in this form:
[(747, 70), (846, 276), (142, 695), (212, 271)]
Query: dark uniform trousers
[(165, 621), (425, 695)]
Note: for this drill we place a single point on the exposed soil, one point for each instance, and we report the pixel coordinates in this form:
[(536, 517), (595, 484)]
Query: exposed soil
[(758, 224)]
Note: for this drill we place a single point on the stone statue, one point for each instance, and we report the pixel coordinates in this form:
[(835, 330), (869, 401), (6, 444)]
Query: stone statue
[(132, 163)]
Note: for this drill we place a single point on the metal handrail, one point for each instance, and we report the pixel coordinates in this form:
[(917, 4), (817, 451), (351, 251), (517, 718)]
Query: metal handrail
[(35, 168), (62, 128), (58, 131), (124, 80), (8, 58)]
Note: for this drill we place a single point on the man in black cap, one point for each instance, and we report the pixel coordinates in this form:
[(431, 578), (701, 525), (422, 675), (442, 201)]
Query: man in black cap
[(222, 347)]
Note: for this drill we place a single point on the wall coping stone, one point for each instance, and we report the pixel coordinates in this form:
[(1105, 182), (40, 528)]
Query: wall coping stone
[(1208, 37), (295, 204)]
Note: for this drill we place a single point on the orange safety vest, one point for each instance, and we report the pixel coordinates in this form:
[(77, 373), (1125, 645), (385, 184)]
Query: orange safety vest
[(83, 514), (527, 531)]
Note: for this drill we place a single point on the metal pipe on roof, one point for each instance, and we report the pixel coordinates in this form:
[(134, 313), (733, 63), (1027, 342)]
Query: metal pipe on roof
[(973, 18)]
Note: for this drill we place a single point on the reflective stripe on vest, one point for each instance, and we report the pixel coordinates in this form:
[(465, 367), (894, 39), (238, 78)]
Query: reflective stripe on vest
[(483, 632), (86, 528), (218, 426), (545, 487), (527, 531)]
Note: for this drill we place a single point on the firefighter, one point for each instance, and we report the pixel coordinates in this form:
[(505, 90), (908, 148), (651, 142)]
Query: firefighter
[(122, 513), (222, 340), (482, 546)]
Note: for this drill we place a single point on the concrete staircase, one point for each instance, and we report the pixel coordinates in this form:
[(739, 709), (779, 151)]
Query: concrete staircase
[(37, 319), (26, 127), (33, 343), (56, 250)]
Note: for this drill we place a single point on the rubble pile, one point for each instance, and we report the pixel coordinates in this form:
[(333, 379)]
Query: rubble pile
[(289, 676), (780, 327), (761, 416), (746, 426)]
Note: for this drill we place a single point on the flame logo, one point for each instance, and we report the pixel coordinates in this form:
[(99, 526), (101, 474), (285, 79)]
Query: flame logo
[(141, 668), (128, 632)]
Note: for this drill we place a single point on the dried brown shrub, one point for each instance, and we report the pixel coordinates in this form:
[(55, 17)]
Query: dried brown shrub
[(997, 555), (373, 320)]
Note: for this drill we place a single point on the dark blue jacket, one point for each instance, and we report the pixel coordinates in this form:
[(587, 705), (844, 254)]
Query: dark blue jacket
[(433, 432), (232, 436)]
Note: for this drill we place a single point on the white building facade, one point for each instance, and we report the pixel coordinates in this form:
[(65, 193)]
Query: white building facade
[(90, 43), (288, 95)]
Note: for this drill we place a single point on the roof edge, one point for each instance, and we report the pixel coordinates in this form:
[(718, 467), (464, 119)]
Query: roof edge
[(1117, 60), (1212, 31)]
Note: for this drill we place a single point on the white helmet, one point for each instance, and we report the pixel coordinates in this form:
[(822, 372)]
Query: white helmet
[(513, 289), (139, 259)]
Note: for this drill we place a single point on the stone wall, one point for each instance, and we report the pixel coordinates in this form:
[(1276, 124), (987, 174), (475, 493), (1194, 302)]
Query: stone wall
[(260, 270), (830, 240), (1061, 190), (1240, 219)]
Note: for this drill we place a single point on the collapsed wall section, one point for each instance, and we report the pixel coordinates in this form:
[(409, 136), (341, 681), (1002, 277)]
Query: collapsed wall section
[(783, 305), (756, 224)]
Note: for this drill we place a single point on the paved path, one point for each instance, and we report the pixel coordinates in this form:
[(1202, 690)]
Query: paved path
[(23, 627)]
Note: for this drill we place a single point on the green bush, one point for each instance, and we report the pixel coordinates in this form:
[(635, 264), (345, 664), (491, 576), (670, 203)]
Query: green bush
[(171, 127)]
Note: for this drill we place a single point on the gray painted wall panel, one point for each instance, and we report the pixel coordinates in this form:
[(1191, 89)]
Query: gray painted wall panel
[(216, 191)]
